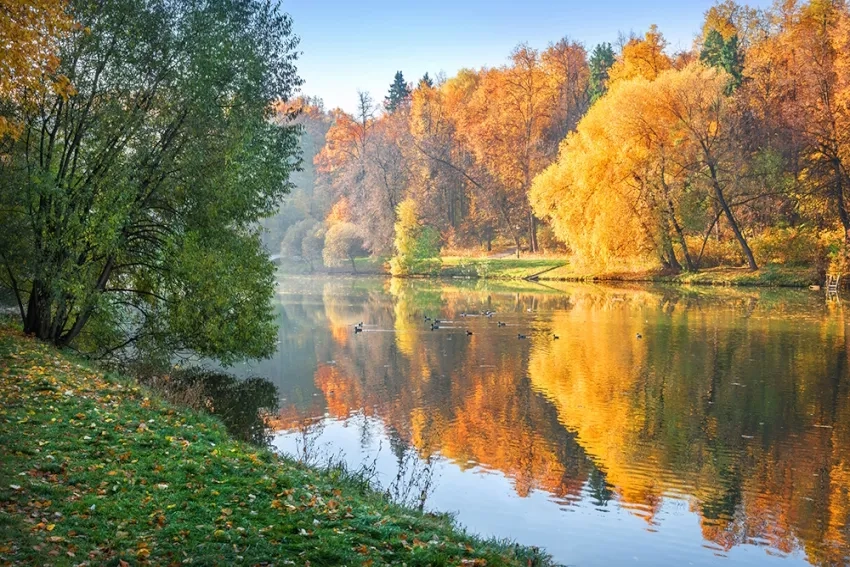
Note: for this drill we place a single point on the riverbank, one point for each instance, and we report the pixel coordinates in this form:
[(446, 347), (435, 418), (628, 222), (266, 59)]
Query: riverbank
[(769, 276), (97, 470), (559, 269)]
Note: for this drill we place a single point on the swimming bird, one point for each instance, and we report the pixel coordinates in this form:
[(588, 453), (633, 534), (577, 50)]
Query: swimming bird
[(358, 329), (500, 324), (434, 327), (639, 336), (555, 337), (521, 336), (469, 333)]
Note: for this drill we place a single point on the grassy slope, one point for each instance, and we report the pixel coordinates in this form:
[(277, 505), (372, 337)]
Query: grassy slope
[(95, 469), (779, 276)]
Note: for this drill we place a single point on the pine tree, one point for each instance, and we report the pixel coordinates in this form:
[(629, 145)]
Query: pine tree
[(399, 91), (600, 62), (426, 81), (723, 54)]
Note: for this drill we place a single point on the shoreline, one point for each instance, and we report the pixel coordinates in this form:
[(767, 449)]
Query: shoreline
[(96, 468), (536, 270)]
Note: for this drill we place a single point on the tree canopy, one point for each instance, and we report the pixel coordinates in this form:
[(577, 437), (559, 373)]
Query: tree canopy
[(132, 200)]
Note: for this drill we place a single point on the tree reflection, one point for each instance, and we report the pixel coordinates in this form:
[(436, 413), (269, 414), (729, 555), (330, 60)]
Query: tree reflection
[(736, 401)]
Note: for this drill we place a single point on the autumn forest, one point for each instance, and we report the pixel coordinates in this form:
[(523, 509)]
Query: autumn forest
[(621, 156)]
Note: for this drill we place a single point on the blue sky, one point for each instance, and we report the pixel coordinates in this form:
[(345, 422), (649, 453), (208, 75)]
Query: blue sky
[(360, 44)]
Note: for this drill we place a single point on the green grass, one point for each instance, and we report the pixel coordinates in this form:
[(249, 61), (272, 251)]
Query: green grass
[(498, 268), (768, 276), (95, 469)]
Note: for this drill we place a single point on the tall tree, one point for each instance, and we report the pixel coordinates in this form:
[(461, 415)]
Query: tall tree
[(565, 62), (399, 93), (601, 61), (134, 201), (723, 54), (641, 57)]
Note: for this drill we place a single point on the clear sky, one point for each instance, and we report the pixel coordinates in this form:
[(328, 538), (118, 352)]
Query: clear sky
[(360, 44)]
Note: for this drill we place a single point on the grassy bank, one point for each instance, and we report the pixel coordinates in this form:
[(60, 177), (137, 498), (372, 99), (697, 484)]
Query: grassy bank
[(498, 268), (769, 276), (96, 470), (559, 269)]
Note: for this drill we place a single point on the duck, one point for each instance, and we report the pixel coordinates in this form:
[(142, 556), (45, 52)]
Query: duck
[(639, 336), (358, 329), (434, 327), (500, 324), (521, 336), (555, 337), (469, 333)]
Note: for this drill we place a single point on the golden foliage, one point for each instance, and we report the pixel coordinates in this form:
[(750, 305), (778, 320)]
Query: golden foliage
[(641, 58), (29, 34)]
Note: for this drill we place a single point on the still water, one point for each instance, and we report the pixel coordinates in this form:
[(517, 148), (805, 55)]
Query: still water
[(719, 436)]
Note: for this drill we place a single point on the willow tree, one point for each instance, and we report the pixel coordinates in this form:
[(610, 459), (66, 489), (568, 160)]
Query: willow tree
[(130, 205), (616, 192)]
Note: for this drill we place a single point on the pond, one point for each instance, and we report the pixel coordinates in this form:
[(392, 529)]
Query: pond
[(664, 426)]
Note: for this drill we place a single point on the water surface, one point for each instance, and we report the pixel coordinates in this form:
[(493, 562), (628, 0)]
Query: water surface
[(688, 426)]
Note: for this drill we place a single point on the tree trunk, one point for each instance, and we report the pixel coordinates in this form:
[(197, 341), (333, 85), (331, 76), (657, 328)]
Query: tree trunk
[(839, 200), (532, 233), (742, 242), (353, 265), (680, 234), (37, 321), (672, 261)]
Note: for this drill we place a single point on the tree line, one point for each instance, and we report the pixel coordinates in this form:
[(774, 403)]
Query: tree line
[(734, 152)]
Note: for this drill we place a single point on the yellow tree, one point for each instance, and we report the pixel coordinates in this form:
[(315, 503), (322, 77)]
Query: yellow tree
[(615, 192), (798, 84), (450, 182), (703, 121), (29, 33), (584, 196), (641, 58), (506, 124), (565, 63)]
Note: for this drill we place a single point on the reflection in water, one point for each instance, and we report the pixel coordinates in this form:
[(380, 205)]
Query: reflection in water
[(723, 431), (243, 405)]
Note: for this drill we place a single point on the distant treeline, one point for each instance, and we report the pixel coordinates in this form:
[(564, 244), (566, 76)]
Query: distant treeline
[(734, 152)]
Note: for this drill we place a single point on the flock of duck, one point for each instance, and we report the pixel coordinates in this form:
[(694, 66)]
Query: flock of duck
[(435, 324)]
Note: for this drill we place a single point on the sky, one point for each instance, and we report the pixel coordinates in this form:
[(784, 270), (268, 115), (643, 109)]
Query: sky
[(359, 44)]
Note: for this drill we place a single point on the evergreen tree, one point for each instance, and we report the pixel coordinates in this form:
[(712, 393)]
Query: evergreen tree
[(426, 81), (723, 54), (399, 91), (600, 62)]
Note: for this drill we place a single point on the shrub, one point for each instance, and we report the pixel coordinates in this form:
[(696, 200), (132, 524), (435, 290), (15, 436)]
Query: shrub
[(417, 246)]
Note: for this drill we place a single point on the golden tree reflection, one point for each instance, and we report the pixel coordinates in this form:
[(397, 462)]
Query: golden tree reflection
[(738, 402)]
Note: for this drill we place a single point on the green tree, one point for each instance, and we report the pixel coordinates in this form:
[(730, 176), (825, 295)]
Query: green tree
[(426, 81), (417, 246), (600, 62), (130, 207), (723, 54), (343, 243), (399, 92)]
